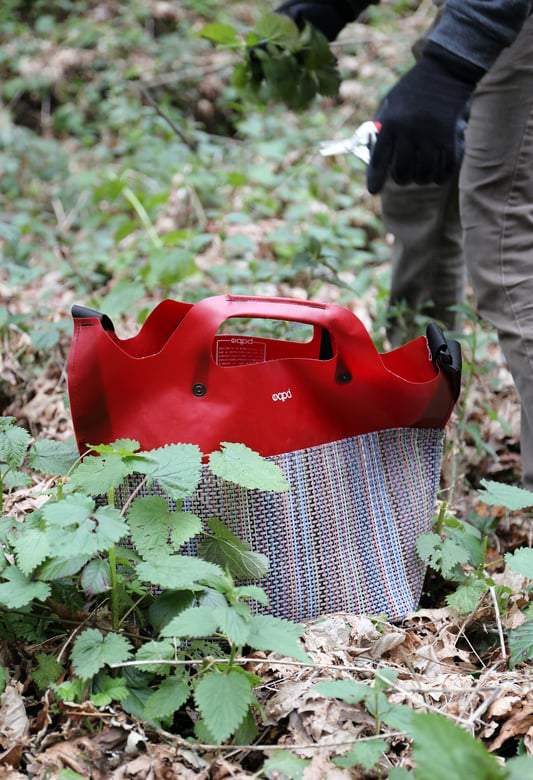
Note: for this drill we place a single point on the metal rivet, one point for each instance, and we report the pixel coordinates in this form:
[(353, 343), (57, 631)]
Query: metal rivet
[(199, 390), (344, 377)]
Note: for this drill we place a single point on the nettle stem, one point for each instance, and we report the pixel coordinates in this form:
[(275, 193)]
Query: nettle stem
[(112, 558)]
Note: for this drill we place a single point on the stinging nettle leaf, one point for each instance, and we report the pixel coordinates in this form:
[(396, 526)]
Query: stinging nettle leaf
[(239, 464), (521, 561), (521, 644), (14, 442), (169, 697), (223, 701), (277, 635), (193, 623), (92, 651), (54, 457), (175, 467), (509, 496), (179, 572), (18, 590)]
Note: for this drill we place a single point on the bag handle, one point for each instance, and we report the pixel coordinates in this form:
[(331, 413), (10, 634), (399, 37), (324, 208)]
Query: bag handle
[(200, 325)]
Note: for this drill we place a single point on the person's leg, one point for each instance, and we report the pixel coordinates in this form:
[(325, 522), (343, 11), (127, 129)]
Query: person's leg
[(427, 259), (497, 215), (428, 274)]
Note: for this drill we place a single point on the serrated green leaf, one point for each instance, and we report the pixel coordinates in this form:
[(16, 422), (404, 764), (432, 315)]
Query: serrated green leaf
[(278, 28), (169, 697), (521, 644), (167, 605), (234, 622), (62, 566), (156, 531), (72, 510), (156, 651), (178, 572), (242, 564), (365, 754), (14, 442), (110, 528), (284, 765), (519, 768), (176, 468), (18, 590), (96, 577), (193, 622), (252, 592), (241, 465), (521, 561), (92, 651), (509, 496), (109, 689), (31, 549), (428, 545), (440, 748), (54, 457), (47, 672), (466, 598), (223, 701), (346, 690), (222, 34), (120, 447), (277, 635), (96, 475)]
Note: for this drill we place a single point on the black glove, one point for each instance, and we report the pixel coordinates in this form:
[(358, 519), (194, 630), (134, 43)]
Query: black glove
[(419, 117), (328, 16)]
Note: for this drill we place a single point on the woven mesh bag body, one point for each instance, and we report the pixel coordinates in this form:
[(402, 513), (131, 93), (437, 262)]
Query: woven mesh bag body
[(343, 538)]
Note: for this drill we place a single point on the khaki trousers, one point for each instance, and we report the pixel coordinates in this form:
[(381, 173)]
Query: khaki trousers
[(496, 201)]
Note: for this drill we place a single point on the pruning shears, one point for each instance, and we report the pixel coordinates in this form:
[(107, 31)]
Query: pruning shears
[(360, 143)]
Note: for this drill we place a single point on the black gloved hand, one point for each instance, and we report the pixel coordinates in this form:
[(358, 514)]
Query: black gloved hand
[(328, 16), (417, 139)]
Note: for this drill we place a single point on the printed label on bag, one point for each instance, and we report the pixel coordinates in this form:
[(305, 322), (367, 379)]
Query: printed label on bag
[(239, 351), (283, 396)]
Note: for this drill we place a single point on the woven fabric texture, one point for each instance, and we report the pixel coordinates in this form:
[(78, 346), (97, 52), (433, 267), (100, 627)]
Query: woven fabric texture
[(343, 538)]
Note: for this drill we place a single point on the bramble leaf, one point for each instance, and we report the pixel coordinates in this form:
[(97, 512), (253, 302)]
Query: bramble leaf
[(223, 701), (239, 464), (74, 509), (92, 651), (110, 528), (156, 651)]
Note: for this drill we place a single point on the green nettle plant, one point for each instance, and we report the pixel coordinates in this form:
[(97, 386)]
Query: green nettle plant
[(160, 628), (458, 550), (281, 63)]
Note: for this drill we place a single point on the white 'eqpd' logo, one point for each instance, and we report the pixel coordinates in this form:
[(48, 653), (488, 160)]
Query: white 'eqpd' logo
[(284, 396)]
